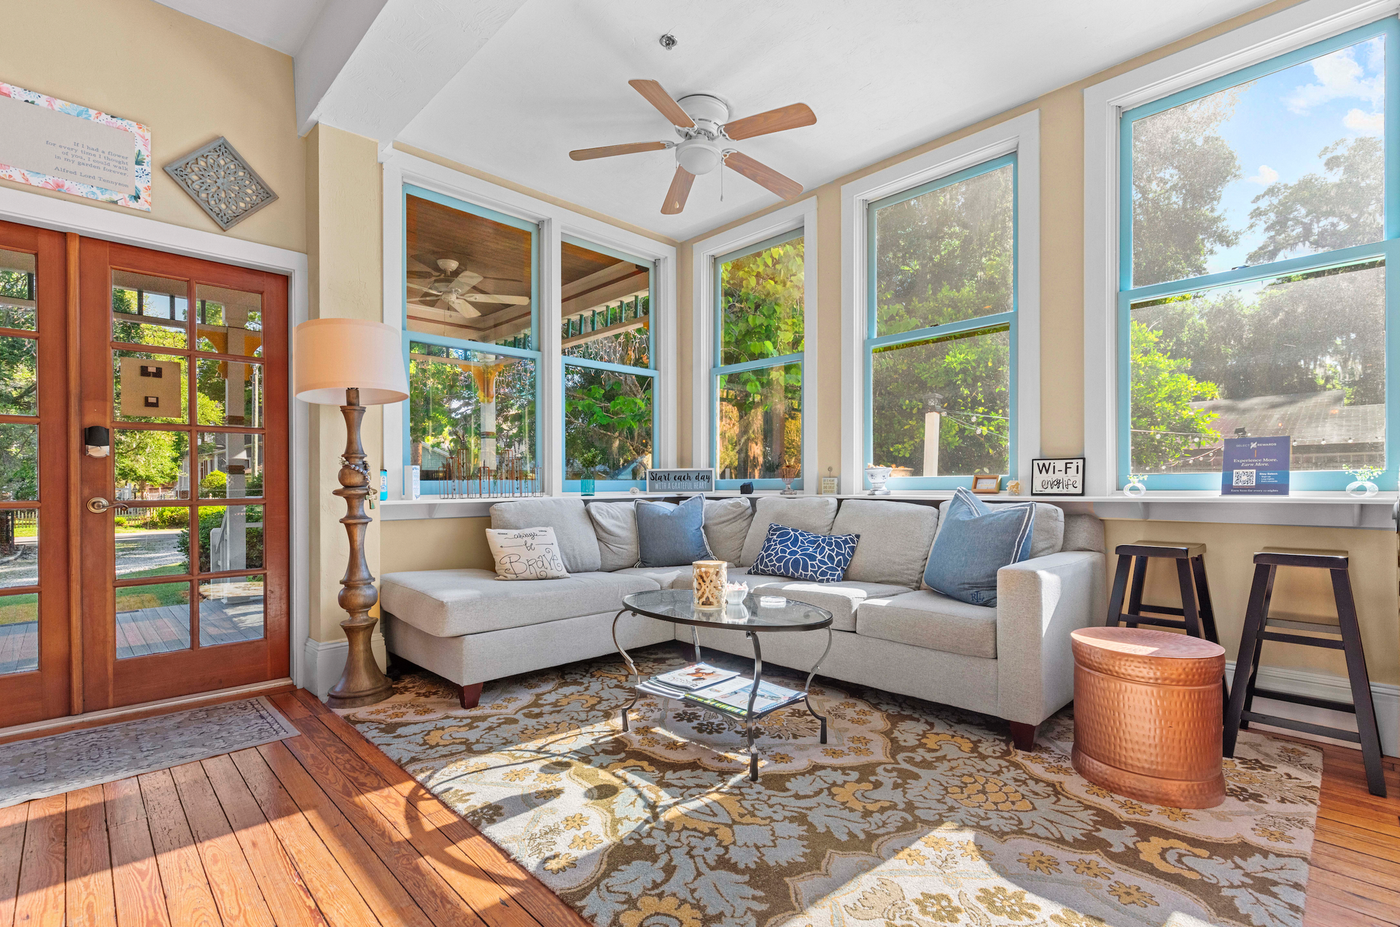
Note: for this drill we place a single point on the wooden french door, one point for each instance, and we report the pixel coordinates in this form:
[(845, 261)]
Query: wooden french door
[(143, 475)]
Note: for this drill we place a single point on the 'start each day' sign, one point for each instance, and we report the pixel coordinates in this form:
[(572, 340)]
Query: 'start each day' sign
[(1057, 476), (681, 481)]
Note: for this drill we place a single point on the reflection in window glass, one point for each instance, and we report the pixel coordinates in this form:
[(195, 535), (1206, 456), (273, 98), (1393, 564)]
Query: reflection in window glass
[(19, 633), (19, 548), (1302, 356), (228, 321), (607, 424), (230, 465), (19, 462), (149, 310), (152, 619), (152, 541), (469, 409), (761, 304), (230, 538), (759, 423), (150, 464), (230, 610), (939, 407), (17, 306), (19, 375), (606, 310), (229, 392)]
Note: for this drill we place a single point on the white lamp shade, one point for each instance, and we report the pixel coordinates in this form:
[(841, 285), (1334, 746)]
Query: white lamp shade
[(330, 356)]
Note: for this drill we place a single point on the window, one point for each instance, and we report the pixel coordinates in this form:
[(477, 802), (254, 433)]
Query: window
[(608, 343), (757, 378), (470, 341), (940, 339), (1257, 229)]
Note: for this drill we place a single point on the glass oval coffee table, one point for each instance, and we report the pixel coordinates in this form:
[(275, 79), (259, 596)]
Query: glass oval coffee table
[(754, 618)]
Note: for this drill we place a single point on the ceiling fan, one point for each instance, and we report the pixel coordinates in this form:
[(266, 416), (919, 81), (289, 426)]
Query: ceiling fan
[(445, 288), (702, 122)]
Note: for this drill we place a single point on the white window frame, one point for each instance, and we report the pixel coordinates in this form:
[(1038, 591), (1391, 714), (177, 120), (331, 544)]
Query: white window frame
[(800, 215), (554, 222), (1262, 40), (1021, 135)]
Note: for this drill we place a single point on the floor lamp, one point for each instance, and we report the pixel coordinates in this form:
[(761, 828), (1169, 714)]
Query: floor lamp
[(352, 363)]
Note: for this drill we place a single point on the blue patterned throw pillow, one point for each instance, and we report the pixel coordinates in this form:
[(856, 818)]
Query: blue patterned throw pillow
[(817, 558), (975, 540)]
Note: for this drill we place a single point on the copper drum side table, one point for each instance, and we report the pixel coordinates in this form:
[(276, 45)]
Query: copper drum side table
[(1148, 715)]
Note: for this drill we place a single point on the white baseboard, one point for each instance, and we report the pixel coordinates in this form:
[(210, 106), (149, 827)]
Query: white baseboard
[(1325, 685), (326, 661)]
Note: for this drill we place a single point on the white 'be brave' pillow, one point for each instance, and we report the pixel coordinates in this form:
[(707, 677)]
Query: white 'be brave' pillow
[(526, 553)]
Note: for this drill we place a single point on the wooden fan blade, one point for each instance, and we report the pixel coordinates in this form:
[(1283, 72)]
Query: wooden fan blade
[(494, 298), (763, 175), (608, 151), (680, 189), (663, 101), (775, 120)]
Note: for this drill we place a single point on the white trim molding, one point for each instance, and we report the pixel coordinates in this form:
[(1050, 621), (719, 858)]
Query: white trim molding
[(1104, 103), (325, 661), (1020, 134), (68, 216), (554, 223), (799, 215)]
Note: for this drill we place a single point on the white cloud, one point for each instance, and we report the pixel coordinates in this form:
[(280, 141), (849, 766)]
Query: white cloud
[(1338, 76), (1363, 123), (1266, 176)]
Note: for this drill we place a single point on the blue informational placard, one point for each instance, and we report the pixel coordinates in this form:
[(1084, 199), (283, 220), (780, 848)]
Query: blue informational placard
[(1255, 466)]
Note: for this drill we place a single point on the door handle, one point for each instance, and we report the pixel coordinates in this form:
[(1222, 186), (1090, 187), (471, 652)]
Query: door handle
[(97, 505)]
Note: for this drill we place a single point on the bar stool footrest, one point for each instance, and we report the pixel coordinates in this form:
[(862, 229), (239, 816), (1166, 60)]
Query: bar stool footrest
[(1304, 727), (1178, 623), (1310, 701)]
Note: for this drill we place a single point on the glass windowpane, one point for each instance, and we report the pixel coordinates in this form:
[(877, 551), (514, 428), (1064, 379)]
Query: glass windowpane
[(230, 610), (152, 542), (19, 633), (230, 465), (759, 426), (19, 462), (152, 619), (150, 464), (230, 538), (469, 408), (19, 380), (18, 308), (607, 424), (230, 393), (606, 310), (19, 548), (761, 304), (228, 321), (149, 310)]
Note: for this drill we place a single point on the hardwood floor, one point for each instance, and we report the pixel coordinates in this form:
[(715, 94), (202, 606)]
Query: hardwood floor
[(324, 830)]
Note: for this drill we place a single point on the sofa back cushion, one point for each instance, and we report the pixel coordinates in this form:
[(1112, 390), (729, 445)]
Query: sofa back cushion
[(810, 513), (895, 538), (973, 542), (1049, 534), (1083, 532), (672, 535), (578, 542), (616, 526), (726, 525)]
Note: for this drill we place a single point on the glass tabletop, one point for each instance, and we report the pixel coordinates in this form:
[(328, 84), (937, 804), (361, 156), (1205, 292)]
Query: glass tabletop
[(678, 605)]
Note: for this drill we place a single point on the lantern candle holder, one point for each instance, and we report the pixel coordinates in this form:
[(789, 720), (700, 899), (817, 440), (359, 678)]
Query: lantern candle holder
[(711, 576)]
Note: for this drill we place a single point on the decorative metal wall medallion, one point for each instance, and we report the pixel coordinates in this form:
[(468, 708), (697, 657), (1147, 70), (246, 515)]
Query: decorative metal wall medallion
[(221, 182)]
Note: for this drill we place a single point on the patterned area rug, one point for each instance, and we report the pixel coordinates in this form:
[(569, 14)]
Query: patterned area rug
[(32, 769), (914, 815)]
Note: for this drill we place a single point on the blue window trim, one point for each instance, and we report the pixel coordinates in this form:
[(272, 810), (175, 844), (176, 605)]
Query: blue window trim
[(719, 370), (1387, 249), (648, 371), (434, 487), (998, 320)]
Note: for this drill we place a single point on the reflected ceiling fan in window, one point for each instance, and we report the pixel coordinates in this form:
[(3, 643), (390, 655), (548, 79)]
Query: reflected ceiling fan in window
[(702, 122), (446, 288)]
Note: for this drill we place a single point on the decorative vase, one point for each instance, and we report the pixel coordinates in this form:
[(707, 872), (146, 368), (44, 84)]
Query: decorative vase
[(1135, 487), (877, 477), (586, 485), (710, 579), (1362, 488)]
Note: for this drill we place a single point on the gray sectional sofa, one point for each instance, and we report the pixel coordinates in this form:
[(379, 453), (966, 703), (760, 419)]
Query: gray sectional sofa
[(1011, 661)]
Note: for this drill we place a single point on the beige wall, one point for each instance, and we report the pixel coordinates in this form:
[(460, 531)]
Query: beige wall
[(1062, 405), (188, 81), (436, 544)]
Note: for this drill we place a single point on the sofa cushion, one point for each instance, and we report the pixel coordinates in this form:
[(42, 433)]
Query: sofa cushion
[(841, 599), (577, 540), (931, 621), (816, 558), (672, 535), (615, 523), (1048, 535), (665, 577), (726, 525), (976, 540), (810, 513), (450, 603), (895, 538)]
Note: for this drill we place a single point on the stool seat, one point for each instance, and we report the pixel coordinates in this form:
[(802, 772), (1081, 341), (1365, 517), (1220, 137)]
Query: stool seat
[(1176, 550), (1301, 557)]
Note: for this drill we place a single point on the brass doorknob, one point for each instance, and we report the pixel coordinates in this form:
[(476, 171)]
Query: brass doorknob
[(97, 505)]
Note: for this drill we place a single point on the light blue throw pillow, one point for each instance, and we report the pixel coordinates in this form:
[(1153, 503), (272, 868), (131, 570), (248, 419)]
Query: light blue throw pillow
[(816, 558), (672, 535), (974, 541)]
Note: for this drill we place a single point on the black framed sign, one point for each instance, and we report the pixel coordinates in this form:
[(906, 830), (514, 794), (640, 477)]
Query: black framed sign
[(700, 479), (1057, 476)]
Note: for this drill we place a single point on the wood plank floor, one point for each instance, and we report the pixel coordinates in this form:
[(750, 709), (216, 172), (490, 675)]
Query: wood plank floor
[(324, 830)]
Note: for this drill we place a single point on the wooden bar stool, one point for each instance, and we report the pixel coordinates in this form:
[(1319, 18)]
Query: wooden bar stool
[(1258, 628), (1197, 615)]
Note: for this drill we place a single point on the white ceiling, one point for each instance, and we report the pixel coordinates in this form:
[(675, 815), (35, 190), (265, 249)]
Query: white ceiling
[(279, 24)]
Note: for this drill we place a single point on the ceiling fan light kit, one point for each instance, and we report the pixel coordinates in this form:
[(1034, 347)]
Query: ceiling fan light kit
[(702, 123)]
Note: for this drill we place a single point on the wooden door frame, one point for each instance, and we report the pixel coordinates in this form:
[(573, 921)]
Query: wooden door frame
[(122, 227)]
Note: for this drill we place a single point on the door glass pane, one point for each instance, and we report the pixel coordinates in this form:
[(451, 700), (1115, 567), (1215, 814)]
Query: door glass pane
[(19, 462), (228, 321), (149, 310), (230, 465), (760, 423), (152, 619), (149, 387), (956, 388), (230, 610), (761, 304), (469, 407), (152, 542), (19, 633), (606, 311), (1302, 356), (607, 424), (230, 393), (230, 538), (467, 277), (17, 306), (150, 464), (19, 548), (19, 372)]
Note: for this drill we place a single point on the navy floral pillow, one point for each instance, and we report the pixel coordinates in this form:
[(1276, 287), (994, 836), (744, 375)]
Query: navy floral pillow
[(817, 558)]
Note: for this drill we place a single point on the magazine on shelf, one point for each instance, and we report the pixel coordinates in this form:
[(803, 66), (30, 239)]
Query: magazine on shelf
[(733, 695), (652, 687), (695, 676)]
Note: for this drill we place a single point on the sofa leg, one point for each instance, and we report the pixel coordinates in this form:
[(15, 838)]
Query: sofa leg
[(1023, 735), (471, 695)]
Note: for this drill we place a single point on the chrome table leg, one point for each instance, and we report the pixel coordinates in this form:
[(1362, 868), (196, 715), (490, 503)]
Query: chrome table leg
[(807, 689), (753, 695)]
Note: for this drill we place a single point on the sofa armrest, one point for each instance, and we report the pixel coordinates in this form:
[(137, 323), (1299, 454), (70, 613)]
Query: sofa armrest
[(1039, 602)]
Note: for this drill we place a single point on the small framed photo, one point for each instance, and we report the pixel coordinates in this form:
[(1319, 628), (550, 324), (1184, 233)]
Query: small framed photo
[(988, 484), (830, 486)]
